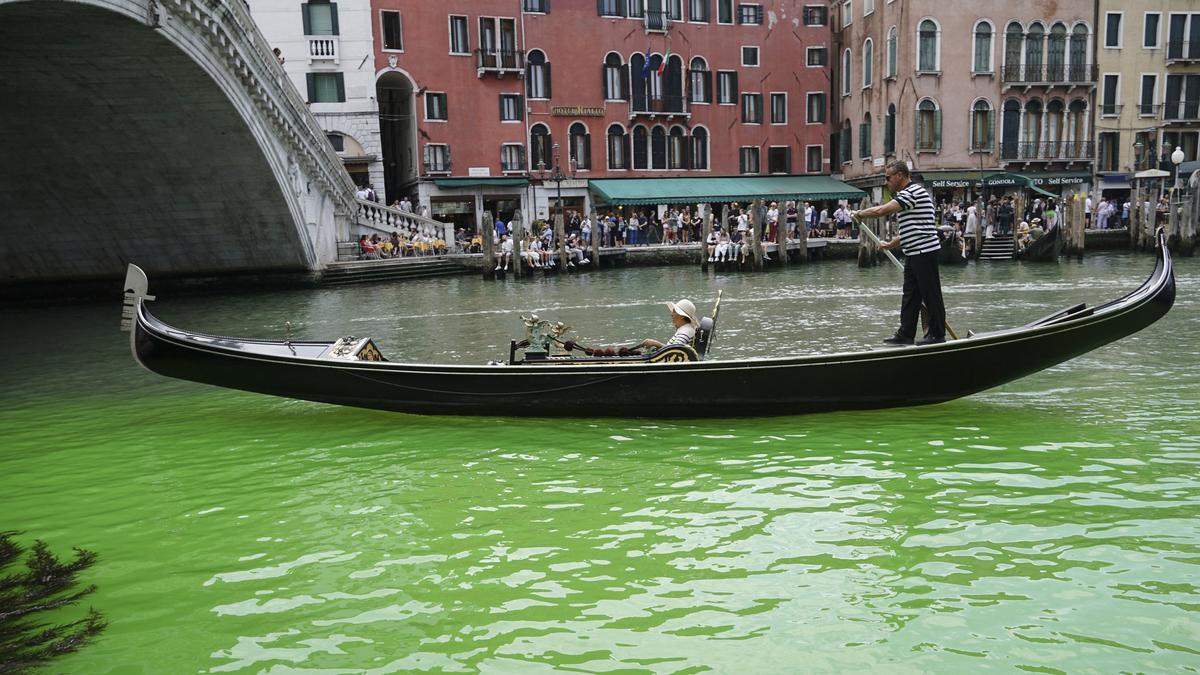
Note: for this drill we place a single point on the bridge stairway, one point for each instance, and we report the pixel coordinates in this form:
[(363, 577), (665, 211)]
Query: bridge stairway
[(361, 271), (998, 248)]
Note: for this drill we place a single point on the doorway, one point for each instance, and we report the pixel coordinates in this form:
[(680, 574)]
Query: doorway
[(397, 130)]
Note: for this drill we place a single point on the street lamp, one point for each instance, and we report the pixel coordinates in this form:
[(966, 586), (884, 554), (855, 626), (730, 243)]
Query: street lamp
[(557, 176), (1177, 159)]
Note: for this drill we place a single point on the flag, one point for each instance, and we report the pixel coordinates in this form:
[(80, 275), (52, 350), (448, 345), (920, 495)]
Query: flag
[(646, 65), (662, 67)]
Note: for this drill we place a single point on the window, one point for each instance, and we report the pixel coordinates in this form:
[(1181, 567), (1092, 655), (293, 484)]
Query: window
[(658, 148), (611, 7), (1112, 85), (748, 160), (700, 148), (1079, 70), (749, 56), (927, 40), (724, 11), (847, 12), (983, 124), (867, 57), (868, 7), (537, 76), (815, 105), (929, 126), (779, 159), (1112, 29), (1149, 91), (641, 148), (1150, 30), (889, 70), (751, 108), (726, 87), (615, 81), (637, 10), (889, 131), (674, 10), (816, 56), (326, 88), (535, 6), (460, 43), (581, 146), (390, 27), (699, 82), (320, 17), (1183, 36), (435, 106), (437, 158), (676, 149), (813, 159), (750, 14), (539, 147), (618, 148), (511, 109), (846, 138), (779, 108), (698, 10), (846, 59), (1182, 97), (864, 138), (981, 61), (1110, 145), (512, 157), (337, 142), (815, 15)]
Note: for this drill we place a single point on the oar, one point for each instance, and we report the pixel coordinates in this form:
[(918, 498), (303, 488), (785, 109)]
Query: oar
[(891, 256)]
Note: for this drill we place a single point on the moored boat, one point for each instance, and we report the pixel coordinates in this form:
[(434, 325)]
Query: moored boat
[(352, 370)]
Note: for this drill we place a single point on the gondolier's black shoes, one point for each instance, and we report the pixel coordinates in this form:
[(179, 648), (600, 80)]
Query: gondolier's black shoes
[(898, 341), (931, 340)]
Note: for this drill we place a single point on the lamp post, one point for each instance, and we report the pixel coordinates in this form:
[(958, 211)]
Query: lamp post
[(1176, 159), (557, 176)]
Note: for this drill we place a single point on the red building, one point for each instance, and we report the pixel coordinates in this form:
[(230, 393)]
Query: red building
[(479, 99)]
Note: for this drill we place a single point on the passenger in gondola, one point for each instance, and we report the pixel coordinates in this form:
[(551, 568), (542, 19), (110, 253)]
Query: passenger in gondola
[(685, 320)]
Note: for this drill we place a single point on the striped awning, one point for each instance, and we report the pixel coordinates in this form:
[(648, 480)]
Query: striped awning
[(640, 191)]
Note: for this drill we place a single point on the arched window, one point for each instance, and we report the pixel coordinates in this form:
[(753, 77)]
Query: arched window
[(658, 148), (889, 131), (928, 134), (1056, 54), (1055, 117), (1011, 125), (1077, 129), (1034, 44), (864, 138), (537, 75), (927, 41), (1014, 37), (641, 148), (1033, 129), (890, 69), (673, 84), (867, 57), (539, 147), (699, 82), (847, 139), (581, 146), (615, 82), (1079, 50), (637, 89), (654, 82), (700, 148), (982, 56), (846, 59), (677, 149), (982, 125), (618, 148)]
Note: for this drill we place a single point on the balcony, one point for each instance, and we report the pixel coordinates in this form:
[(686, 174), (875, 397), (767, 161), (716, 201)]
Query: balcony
[(323, 48), (1181, 112), (1183, 51), (667, 106), (1047, 151), (1110, 109), (657, 20), (499, 61), (1050, 75)]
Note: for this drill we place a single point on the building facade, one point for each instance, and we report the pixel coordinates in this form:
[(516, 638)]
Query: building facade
[(480, 100), (322, 45), (1149, 59), (963, 94)]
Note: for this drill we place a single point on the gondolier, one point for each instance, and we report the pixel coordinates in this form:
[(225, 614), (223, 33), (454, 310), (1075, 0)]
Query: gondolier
[(918, 239)]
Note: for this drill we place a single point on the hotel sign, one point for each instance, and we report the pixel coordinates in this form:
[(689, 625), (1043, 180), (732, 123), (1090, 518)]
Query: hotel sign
[(576, 111)]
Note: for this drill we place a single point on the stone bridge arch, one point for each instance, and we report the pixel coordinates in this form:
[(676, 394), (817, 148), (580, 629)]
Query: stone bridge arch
[(162, 133)]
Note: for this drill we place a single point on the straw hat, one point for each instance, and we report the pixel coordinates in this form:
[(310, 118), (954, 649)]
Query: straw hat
[(686, 309)]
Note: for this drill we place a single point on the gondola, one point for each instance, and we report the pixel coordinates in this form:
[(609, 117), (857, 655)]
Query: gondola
[(951, 252), (352, 372), (1046, 248)]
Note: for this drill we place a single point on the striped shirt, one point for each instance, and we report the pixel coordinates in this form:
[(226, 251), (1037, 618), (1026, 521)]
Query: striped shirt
[(918, 231), (684, 336)]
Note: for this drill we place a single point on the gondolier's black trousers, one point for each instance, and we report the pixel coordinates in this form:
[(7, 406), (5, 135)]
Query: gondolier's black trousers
[(922, 286)]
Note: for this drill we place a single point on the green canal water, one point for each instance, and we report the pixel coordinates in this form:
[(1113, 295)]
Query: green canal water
[(1049, 525)]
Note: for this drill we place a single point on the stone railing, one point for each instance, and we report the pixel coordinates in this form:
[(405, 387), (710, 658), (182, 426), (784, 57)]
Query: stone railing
[(233, 37), (371, 217)]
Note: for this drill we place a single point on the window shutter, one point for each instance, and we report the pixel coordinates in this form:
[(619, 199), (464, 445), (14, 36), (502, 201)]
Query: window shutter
[(687, 84), (307, 22), (546, 69), (311, 80), (626, 147), (991, 128), (341, 88), (587, 151), (937, 130), (687, 152), (708, 86), (624, 94), (425, 155), (604, 92), (501, 97), (528, 79), (333, 17), (447, 149), (735, 85), (599, 7)]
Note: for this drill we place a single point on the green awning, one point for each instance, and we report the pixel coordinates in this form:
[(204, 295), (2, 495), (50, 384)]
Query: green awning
[(481, 181), (636, 191), (1058, 177)]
